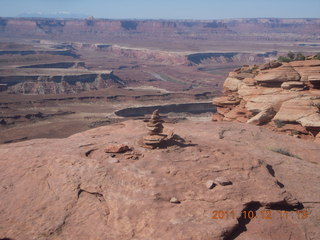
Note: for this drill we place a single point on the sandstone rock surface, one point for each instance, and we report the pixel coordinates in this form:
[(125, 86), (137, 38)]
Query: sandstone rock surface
[(291, 90), (116, 148), (54, 189), (262, 117), (283, 73)]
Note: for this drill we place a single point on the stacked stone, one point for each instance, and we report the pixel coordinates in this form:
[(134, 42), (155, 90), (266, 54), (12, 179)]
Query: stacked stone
[(155, 126), (156, 135)]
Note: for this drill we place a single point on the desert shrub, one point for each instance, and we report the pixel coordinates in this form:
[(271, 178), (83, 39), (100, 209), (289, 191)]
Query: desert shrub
[(299, 57), (317, 56), (291, 56), (279, 123), (255, 68), (284, 152), (283, 59), (295, 132)]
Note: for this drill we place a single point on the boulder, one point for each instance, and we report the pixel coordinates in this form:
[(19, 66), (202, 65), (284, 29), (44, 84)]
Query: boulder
[(237, 113), (295, 109), (223, 181), (231, 84), (312, 120), (261, 102), (262, 117), (210, 184), (117, 148), (174, 200), (281, 74)]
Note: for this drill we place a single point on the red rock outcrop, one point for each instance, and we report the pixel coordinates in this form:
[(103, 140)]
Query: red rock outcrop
[(54, 189), (285, 96)]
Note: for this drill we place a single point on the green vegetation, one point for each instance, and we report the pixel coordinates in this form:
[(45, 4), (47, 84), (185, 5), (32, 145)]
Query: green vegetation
[(279, 123), (251, 69), (255, 68), (300, 57), (283, 59), (292, 57), (317, 56), (284, 152)]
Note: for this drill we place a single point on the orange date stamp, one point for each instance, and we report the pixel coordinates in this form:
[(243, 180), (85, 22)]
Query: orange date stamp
[(263, 214)]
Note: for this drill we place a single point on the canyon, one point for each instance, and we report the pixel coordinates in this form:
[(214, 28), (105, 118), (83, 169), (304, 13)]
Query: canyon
[(166, 34), (231, 150), (50, 66)]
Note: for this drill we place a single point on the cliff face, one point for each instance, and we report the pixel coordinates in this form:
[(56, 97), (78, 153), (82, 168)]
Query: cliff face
[(147, 54), (56, 84), (107, 30), (177, 58), (284, 96)]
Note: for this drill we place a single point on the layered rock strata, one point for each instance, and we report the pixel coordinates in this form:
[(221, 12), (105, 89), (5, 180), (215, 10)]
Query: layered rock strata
[(284, 96)]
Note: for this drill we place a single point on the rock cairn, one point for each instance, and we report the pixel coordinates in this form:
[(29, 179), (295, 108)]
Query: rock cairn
[(156, 136)]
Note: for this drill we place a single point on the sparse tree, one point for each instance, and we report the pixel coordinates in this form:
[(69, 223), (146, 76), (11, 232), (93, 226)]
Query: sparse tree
[(291, 55), (300, 57), (283, 59)]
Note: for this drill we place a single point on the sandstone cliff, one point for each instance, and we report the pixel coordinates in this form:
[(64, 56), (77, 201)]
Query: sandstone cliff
[(160, 32), (55, 83), (71, 189), (284, 96)]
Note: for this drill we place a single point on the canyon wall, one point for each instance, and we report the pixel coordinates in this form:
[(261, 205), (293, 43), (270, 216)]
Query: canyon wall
[(111, 30), (56, 84)]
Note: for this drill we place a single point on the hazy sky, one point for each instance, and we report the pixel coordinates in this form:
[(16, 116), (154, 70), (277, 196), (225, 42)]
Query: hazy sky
[(167, 9)]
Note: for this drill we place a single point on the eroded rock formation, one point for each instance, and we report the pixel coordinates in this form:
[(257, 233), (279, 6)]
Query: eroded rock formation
[(285, 96), (59, 83)]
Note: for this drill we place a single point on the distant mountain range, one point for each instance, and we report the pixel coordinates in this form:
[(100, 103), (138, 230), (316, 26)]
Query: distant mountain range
[(52, 15)]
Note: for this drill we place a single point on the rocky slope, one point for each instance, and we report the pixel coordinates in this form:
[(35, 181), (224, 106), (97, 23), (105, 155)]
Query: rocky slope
[(71, 189), (283, 96)]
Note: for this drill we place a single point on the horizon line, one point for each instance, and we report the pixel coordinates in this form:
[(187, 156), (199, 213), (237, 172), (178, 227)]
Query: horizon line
[(158, 19)]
